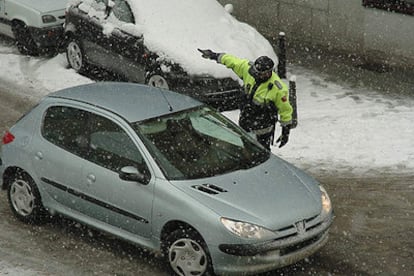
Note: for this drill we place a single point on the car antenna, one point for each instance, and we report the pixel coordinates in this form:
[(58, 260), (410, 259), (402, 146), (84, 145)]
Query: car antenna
[(166, 100)]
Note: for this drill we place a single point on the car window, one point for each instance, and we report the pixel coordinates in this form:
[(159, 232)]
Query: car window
[(111, 147), (199, 143), (92, 137), (65, 127), (122, 11)]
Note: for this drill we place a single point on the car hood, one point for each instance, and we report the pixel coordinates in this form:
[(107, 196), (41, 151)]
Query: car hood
[(45, 5), (274, 194), (174, 30)]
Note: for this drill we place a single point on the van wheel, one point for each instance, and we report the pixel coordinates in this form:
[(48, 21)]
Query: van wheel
[(187, 254), (76, 55), (24, 40), (24, 199), (156, 79)]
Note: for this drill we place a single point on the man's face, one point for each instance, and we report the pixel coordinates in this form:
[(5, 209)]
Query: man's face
[(263, 76), (260, 76)]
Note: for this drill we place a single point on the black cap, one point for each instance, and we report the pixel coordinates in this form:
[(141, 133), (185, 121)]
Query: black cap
[(263, 64), (262, 68)]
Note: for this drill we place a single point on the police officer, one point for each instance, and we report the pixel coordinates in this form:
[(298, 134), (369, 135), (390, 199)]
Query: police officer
[(265, 97)]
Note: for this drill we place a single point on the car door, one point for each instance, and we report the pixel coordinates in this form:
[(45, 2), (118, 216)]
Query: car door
[(109, 39), (90, 32), (122, 204), (57, 155), (126, 45)]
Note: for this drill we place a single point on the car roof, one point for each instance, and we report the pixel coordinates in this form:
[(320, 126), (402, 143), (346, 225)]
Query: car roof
[(132, 101)]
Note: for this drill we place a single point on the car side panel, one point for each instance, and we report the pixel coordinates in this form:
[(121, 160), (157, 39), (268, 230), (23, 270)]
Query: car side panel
[(117, 51), (123, 204), (97, 46), (128, 52), (5, 24), (57, 171), (29, 16)]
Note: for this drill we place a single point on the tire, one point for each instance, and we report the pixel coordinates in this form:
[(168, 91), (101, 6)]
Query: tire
[(157, 80), (76, 55), (187, 254), (24, 40), (24, 199)]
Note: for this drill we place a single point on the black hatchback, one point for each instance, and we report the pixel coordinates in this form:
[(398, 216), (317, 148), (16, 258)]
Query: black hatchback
[(144, 43)]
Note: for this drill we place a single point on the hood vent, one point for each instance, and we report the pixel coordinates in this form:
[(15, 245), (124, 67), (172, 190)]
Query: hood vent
[(209, 189)]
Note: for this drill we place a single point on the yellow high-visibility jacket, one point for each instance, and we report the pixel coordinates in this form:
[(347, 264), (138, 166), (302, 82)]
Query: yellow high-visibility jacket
[(272, 90)]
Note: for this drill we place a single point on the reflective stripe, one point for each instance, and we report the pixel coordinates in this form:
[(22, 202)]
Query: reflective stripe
[(263, 130), (286, 123)]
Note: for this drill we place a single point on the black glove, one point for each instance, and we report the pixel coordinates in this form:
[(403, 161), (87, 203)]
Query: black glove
[(284, 137), (209, 54)]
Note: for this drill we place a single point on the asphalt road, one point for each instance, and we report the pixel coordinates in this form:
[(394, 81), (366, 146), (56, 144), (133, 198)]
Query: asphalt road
[(372, 233)]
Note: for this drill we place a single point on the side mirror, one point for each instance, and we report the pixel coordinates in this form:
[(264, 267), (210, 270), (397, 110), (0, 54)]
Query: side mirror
[(130, 173), (229, 8)]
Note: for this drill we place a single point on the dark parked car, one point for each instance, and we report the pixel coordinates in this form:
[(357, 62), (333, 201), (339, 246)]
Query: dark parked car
[(155, 42), (164, 171)]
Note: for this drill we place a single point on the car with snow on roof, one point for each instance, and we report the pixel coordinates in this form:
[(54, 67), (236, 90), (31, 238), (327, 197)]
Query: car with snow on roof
[(37, 26), (155, 42), (166, 172)]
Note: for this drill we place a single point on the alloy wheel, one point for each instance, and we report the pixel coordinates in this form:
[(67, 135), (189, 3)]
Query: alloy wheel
[(22, 197), (74, 55), (187, 257)]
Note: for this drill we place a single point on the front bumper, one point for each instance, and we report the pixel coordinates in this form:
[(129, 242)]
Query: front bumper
[(47, 37), (245, 259), (267, 261)]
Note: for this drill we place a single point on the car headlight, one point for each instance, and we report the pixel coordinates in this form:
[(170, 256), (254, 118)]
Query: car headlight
[(246, 230), (326, 201), (48, 18)]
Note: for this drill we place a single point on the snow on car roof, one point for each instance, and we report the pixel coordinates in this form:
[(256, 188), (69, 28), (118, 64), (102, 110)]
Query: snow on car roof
[(132, 101), (174, 29)]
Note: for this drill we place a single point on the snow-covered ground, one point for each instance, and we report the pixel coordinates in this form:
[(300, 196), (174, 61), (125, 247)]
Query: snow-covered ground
[(340, 129)]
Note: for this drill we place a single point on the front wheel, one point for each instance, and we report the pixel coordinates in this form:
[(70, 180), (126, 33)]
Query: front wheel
[(75, 55), (24, 199), (187, 253)]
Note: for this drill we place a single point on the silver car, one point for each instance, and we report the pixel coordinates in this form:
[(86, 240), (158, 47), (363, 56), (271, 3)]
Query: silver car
[(166, 172)]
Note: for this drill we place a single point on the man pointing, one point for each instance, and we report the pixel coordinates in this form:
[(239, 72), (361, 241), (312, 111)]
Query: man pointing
[(265, 97)]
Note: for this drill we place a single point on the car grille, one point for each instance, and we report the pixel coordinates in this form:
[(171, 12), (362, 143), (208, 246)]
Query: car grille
[(291, 238), (299, 228)]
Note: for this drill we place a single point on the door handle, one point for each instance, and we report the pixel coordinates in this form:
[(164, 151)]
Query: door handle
[(39, 155), (91, 178)]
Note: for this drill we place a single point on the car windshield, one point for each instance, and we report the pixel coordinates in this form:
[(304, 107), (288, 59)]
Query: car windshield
[(199, 143)]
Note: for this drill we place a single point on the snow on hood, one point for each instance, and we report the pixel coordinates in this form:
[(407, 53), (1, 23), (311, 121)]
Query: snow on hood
[(205, 24)]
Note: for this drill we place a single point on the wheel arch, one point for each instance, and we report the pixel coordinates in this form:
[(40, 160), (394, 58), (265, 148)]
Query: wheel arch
[(18, 22), (173, 225), (70, 29), (67, 36), (8, 174)]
